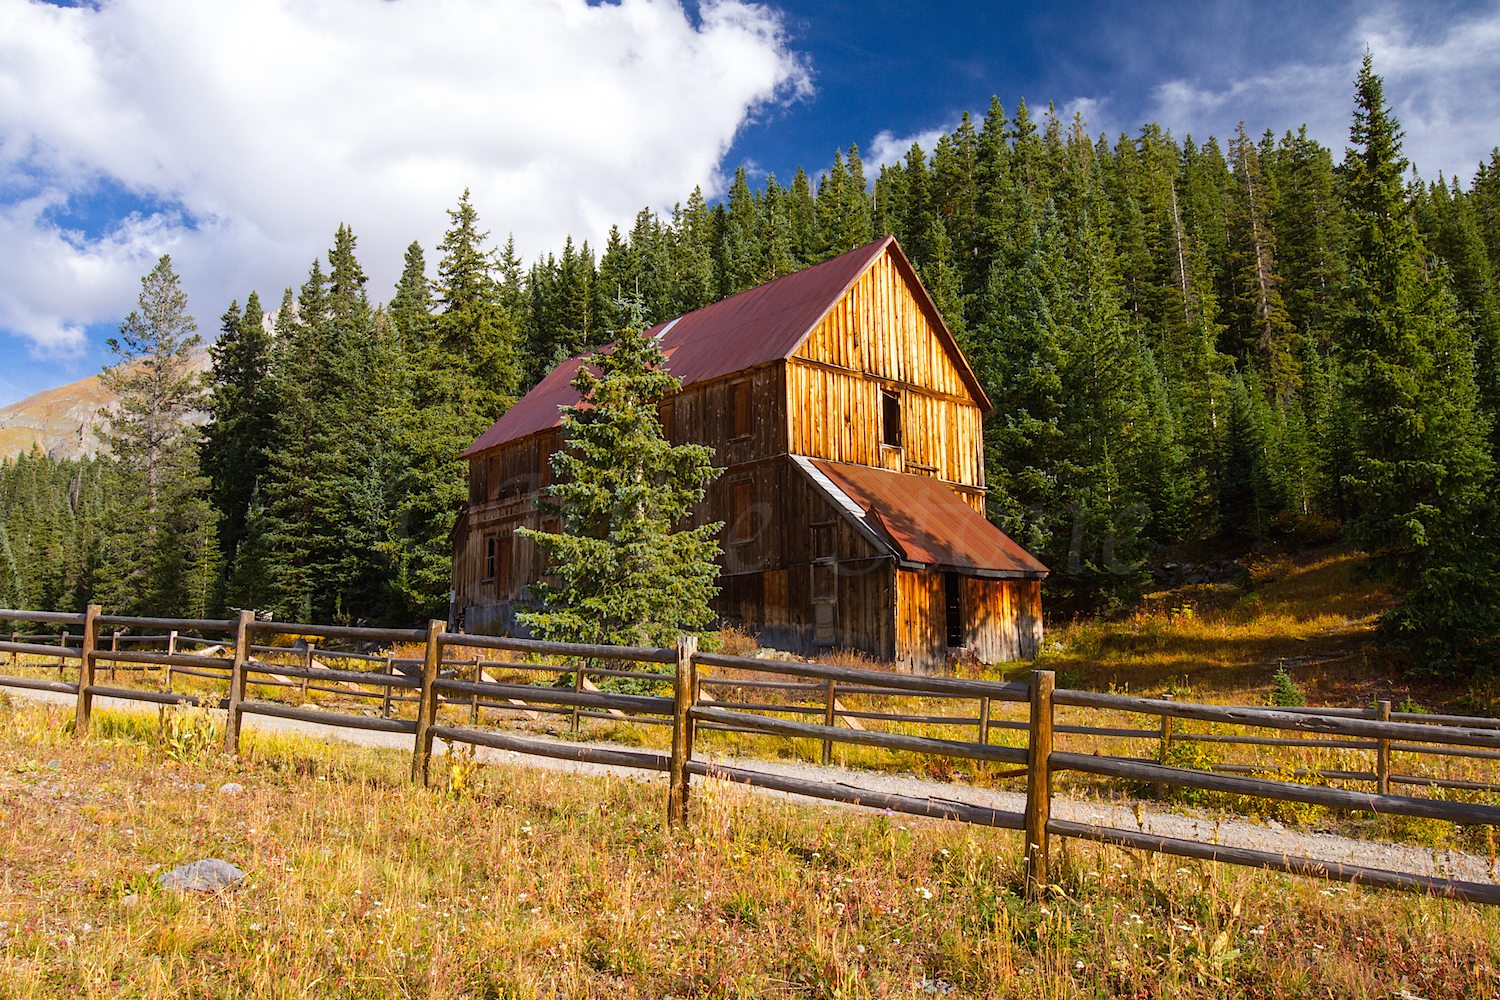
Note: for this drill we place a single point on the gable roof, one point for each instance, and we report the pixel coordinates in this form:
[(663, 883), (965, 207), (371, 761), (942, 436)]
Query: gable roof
[(764, 324), (920, 521)]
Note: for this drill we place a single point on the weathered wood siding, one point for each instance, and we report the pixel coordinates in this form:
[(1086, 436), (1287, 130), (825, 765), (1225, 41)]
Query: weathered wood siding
[(921, 621), (879, 328), (806, 556), (1003, 619), (877, 338)]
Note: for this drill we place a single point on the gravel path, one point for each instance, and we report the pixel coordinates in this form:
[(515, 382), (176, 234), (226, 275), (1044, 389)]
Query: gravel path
[(1143, 815)]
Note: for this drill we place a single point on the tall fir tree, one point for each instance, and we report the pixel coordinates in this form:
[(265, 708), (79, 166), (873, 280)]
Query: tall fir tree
[(241, 418), (1421, 472)]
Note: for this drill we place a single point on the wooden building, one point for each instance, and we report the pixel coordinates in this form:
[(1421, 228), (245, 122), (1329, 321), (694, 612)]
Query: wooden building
[(848, 423)]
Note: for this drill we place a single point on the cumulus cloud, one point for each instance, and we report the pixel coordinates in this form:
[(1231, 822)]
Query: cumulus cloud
[(1444, 85), (887, 148), (246, 131)]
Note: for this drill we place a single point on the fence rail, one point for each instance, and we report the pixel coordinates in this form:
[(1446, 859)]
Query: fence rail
[(436, 680)]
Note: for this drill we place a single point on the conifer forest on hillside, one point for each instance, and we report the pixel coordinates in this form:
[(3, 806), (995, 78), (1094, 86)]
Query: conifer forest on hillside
[(1214, 342)]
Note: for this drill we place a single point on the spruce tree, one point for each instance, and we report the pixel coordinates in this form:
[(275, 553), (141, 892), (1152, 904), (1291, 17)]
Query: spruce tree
[(160, 553), (1421, 471), (629, 573), (241, 411), (448, 391)]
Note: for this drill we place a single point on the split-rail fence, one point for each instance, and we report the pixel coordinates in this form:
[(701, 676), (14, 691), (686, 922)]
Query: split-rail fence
[(434, 681)]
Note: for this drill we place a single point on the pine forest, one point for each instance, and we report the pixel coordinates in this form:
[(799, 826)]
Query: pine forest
[(1216, 342)]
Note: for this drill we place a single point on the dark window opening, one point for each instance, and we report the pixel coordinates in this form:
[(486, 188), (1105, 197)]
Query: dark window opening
[(890, 418), (739, 409), (740, 515), (502, 570), (954, 599), (478, 480), (489, 557), (666, 413)]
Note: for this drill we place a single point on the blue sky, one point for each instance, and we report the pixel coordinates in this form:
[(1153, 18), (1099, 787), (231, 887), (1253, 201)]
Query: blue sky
[(238, 135)]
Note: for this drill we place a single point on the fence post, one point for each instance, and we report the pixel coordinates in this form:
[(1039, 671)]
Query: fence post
[(236, 679), (830, 721), (1039, 780), (577, 687), (390, 669), (682, 731), (308, 667), (984, 723), (427, 704), (86, 672), (62, 660), (1383, 752), (478, 675), (1166, 746)]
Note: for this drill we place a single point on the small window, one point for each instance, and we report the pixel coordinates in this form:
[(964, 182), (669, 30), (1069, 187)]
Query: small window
[(954, 599), (666, 413), (478, 480), (502, 570), (739, 409), (825, 580), (823, 541), (890, 418), (493, 474), (489, 557), (741, 514), (823, 632)]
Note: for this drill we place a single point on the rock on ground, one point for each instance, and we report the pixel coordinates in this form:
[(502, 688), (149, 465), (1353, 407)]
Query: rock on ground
[(209, 875)]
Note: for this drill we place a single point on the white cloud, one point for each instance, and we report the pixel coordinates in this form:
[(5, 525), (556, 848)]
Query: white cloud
[(1445, 89), (267, 123), (887, 148)]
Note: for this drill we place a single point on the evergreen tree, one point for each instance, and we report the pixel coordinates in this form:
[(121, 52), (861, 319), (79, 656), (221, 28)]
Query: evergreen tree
[(241, 411), (160, 554), (411, 307), (1265, 332), (326, 499), (449, 390), (629, 575), (1421, 472)]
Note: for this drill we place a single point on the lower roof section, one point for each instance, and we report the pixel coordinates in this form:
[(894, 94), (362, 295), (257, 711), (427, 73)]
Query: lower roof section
[(920, 521)]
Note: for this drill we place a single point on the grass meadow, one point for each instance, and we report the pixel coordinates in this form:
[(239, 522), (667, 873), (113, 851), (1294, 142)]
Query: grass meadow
[(516, 883)]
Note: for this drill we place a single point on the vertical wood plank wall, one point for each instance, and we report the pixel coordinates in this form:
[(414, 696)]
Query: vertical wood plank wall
[(877, 337)]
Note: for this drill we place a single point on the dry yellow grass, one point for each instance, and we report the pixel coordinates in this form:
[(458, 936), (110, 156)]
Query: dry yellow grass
[(536, 884)]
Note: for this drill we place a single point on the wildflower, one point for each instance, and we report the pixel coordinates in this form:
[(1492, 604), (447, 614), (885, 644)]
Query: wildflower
[(924, 892)]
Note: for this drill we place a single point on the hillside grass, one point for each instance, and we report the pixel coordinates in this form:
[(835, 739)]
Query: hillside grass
[(528, 884)]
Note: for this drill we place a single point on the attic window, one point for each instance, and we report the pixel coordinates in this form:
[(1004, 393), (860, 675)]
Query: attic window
[(739, 409), (890, 418)]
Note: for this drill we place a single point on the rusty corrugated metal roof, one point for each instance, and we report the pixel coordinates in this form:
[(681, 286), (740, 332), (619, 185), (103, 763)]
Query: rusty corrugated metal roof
[(927, 522), (766, 323)]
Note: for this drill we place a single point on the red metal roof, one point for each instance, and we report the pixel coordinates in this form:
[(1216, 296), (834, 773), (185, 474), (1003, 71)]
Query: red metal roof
[(766, 323), (928, 522)]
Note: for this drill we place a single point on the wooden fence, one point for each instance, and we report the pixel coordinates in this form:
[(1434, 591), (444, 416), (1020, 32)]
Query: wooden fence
[(434, 681)]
